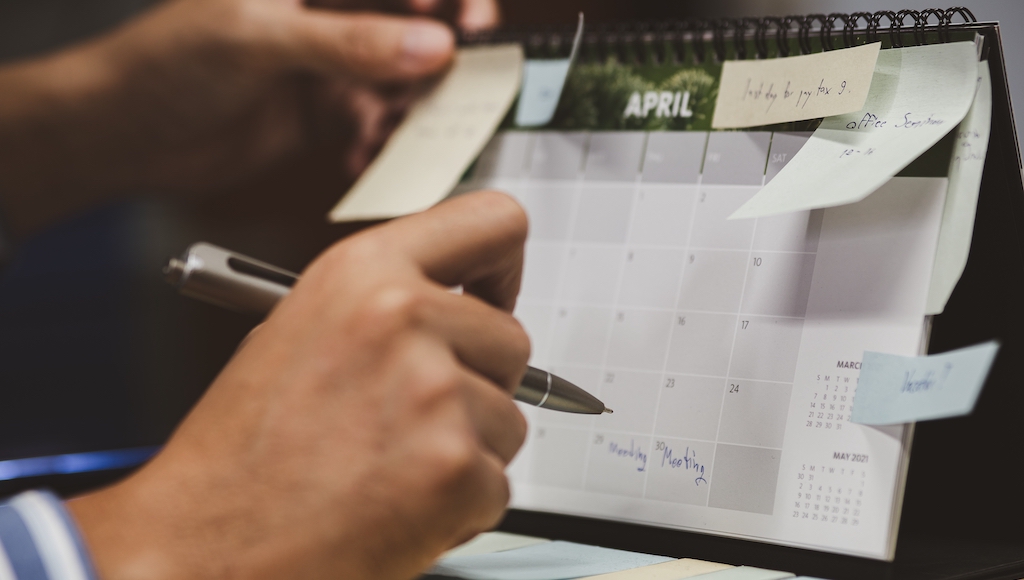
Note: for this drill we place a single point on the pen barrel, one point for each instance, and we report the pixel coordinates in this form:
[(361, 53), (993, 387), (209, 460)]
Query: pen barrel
[(205, 273), (547, 391)]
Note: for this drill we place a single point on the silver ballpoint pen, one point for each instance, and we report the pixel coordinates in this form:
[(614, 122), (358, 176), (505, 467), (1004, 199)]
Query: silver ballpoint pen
[(230, 280)]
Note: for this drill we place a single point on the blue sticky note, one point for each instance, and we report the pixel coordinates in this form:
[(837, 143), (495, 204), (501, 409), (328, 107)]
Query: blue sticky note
[(746, 573), (901, 389), (542, 87), (548, 561), (543, 80)]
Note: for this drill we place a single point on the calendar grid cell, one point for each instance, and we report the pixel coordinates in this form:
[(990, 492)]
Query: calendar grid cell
[(580, 304), (643, 293)]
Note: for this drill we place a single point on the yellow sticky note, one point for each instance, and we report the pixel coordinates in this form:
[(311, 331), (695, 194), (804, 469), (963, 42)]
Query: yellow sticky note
[(674, 570), (442, 135), (752, 93)]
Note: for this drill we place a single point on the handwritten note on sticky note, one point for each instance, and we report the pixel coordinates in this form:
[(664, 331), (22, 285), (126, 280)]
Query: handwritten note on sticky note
[(918, 95), (442, 135), (547, 561), (674, 570), (965, 169), (901, 389), (778, 90)]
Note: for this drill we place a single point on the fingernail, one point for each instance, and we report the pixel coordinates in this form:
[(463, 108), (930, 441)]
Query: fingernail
[(426, 42)]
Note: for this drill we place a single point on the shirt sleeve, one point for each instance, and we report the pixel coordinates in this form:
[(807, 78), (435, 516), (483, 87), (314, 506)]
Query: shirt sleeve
[(40, 541)]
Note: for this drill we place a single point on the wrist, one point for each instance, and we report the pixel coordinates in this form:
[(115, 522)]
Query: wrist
[(127, 538)]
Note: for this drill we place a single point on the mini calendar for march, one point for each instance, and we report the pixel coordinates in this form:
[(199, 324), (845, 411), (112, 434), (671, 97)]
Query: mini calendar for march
[(729, 349)]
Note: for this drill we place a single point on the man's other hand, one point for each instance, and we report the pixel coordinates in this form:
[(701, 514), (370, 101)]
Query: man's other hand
[(196, 95)]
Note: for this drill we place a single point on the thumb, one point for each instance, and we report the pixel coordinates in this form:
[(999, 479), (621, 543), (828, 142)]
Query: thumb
[(369, 46)]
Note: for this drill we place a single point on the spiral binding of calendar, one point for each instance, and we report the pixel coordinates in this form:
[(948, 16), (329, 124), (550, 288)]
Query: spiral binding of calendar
[(732, 38)]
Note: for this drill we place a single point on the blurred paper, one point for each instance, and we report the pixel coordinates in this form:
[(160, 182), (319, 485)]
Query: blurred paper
[(747, 573), (443, 134), (548, 561), (760, 92), (490, 542), (918, 95), (902, 389), (543, 80), (965, 169), (674, 570)]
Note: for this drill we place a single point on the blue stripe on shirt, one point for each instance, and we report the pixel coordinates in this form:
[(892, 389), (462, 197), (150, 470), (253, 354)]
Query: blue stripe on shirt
[(20, 547), (73, 531)]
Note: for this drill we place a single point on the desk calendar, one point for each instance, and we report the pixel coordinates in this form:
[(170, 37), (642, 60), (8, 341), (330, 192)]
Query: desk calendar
[(729, 349)]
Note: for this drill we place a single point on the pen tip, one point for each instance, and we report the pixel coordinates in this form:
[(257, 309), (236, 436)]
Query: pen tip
[(607, 410)]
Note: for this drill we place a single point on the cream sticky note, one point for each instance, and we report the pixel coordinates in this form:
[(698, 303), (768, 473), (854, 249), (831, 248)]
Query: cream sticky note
[(490, 542), (902, 389), (439, 139), (918, 95), (674, 570), (965, 169), (548, 561), (752, 93)]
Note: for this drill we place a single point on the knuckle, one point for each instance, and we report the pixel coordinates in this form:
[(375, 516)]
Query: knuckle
[(359, 251), (435, 382), (497, 500), (509, 218), (520, 347), (396, 305), (455, 460), (519, 427)]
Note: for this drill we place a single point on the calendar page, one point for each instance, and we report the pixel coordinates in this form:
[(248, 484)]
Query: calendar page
[(729, 350)]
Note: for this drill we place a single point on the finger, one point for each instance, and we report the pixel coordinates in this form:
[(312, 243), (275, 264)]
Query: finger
[(489, 341), (494, 493), (368, 46), (467, 14), (497, 420), (479, 15), (475, 240), (248, 337)]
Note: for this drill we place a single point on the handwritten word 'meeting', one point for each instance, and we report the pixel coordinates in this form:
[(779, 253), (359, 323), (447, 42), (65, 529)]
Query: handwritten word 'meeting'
[(633, 452), (800, 95), (687, 462)]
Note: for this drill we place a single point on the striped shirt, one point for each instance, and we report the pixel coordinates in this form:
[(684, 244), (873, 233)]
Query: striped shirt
[(39, 540)]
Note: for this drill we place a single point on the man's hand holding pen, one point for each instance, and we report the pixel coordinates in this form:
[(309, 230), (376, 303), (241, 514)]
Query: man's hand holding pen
[(372, 410)]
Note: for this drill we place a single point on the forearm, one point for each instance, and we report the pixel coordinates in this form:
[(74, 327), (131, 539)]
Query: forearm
[(55, 153)]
